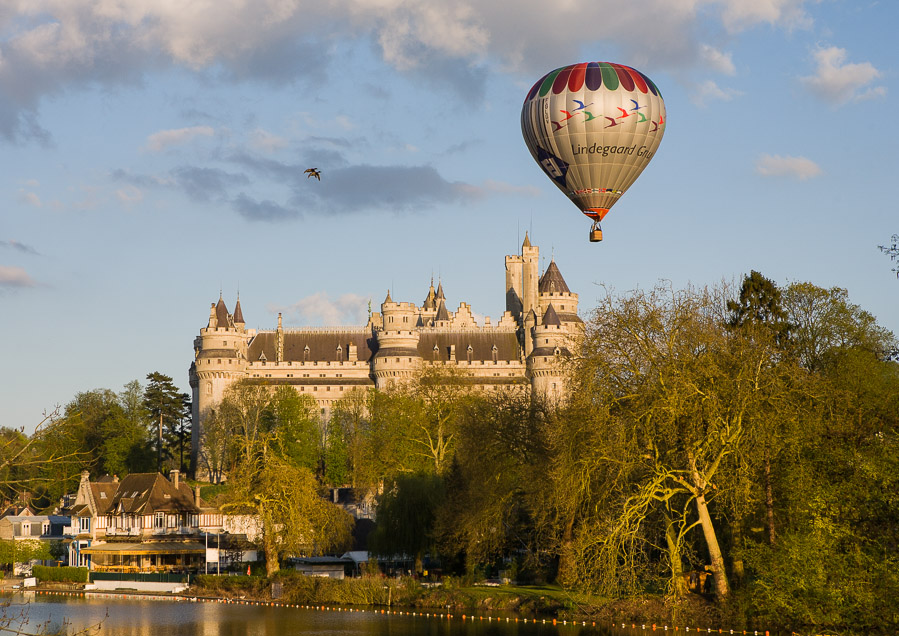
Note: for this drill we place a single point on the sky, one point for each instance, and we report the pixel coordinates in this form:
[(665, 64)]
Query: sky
[(152, 156)]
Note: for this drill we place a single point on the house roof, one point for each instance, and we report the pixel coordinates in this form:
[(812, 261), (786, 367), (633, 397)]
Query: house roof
[(146, 493)]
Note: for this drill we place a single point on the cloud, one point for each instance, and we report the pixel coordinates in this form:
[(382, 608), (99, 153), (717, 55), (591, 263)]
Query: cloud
[(709, 90), (206, 184), (15, 278), (30, 198), (320, 309), (19, 247), (778, 166), (254, 210), (837, 81), (50, 46), (396, 188), (129, 195), (738, 15), (717, 60), (165, 139), (264, 141)]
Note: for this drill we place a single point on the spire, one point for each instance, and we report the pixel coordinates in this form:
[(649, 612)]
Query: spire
[(442, 313), (440, 295), (388, 299), (552, 280), (551, 318), (527, 240), (431, 299), (238, 314), (221, 313)]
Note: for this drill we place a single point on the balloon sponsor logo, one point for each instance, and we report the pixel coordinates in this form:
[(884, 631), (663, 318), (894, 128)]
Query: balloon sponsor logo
[(605, 151), (595, 191)]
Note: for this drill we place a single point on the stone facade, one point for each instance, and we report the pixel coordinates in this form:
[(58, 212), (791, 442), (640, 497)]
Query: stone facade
[(522, 349)]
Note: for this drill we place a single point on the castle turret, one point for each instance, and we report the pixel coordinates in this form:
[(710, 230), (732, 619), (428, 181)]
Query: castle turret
[(545, 361), (530, 257), (220, 358), (397, 358)]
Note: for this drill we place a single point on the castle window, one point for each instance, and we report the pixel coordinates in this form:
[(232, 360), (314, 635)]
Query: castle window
[(209, 388), (327, 388), (225, 343)]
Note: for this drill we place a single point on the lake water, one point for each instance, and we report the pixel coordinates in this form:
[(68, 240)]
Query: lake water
[(170, 618)]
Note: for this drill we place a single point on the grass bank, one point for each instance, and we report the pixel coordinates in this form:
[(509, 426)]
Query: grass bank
[(456, 596)]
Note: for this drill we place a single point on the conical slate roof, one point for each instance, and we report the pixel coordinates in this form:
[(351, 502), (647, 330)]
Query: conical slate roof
[(527, 240), (440, 295), (552, 280), (551, 318), (442, 313), (221, 313), (238, 314)]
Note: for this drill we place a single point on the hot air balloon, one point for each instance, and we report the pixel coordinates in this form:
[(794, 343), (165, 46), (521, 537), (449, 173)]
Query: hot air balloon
[(593, 128)]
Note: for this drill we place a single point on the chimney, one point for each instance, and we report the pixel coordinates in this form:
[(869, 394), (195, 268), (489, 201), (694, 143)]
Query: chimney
[(174, 477), (197, 496)]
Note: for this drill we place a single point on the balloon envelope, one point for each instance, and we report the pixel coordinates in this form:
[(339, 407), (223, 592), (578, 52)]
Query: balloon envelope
[(593, 128)]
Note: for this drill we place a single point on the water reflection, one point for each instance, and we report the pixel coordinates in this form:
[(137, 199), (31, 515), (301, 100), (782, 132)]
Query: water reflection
[(167, 618)]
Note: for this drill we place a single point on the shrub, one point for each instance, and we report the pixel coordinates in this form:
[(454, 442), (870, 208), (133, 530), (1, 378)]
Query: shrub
[(61, 575)]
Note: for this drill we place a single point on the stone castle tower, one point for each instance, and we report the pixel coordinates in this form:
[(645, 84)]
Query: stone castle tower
[(524, 348)]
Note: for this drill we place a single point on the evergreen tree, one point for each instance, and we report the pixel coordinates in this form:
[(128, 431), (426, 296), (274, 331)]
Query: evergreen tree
[(165, 405)]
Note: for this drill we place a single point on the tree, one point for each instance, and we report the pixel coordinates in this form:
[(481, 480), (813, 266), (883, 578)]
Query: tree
[(406, 514), (166, 407), (760, 303), (495, 485), (825, 323), (266, 479), (687, 392)]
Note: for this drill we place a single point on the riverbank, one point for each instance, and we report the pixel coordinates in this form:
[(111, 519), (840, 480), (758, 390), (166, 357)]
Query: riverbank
[(408, 596)]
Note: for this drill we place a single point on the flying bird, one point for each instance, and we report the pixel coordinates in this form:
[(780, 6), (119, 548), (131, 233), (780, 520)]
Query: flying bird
[(612, 121), (636, 105), (313, 172), (569, 115)]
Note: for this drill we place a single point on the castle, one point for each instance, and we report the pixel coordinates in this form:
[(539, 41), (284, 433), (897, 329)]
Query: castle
[(522, 349)]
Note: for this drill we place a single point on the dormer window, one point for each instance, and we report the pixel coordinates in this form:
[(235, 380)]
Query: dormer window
[(495, 353), (102, 495), (306, 354), (339, 353)]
